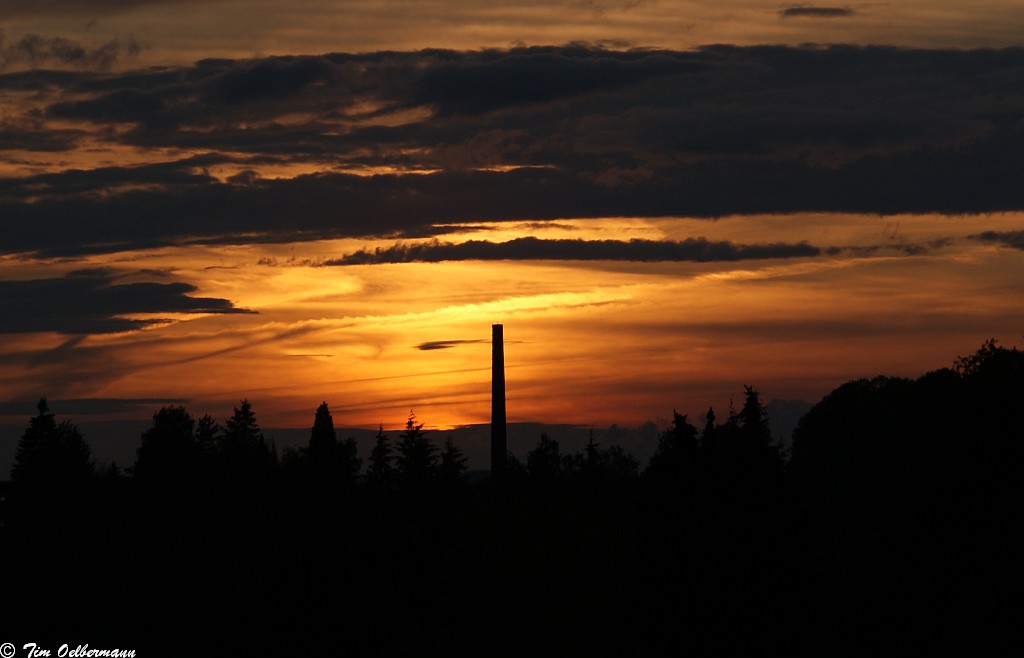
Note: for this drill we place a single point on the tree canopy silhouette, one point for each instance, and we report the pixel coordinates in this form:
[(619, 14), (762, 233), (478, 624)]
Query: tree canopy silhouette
[(168, 455), (330, 460), (677, 451), (416, 460), (453, 463), (545, 462), (246, 455), (52, 458), (381, 469)]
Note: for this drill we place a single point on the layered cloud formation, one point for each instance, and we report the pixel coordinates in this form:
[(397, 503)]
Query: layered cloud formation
[(655, 227), (381, 144)]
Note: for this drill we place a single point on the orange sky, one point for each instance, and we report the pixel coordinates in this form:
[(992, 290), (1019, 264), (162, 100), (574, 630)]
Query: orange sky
[(182, 31), (179, 192), (590, 343)]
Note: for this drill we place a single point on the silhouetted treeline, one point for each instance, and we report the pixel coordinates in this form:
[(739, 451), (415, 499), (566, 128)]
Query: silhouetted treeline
[(886, 530)]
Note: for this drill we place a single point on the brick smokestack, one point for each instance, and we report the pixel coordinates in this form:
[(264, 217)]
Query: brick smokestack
[(498, 430)]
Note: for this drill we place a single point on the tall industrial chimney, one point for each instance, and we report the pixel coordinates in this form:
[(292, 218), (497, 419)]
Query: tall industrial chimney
[(498, 433)]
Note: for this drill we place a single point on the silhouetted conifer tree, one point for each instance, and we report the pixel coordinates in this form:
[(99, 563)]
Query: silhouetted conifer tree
[(52, 458), (755, 436), (242, 428), (323, 440), (753, 417), (676, 455), (381, 469), (208, 436), (453, 462), (246, 451), (330, 459), (416, 461)]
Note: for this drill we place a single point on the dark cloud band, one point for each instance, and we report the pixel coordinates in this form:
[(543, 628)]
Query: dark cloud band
[(691, 249), (90, 301), (802, 11), (1011, 239), (88, 406), (79, 7), (527, 134), (446, 344)]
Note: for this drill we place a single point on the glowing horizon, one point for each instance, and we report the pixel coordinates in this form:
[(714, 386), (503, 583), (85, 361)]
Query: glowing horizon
[(629, 340), (314, 204)]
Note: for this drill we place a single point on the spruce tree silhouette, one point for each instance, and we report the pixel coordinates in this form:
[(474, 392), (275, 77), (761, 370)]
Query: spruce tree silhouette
[(323, 440), (754, 420), (380, 472), (209, 444), (208, 436), (248, 458), (242, 429), (50, 537), (416, 461), (754, 444), (453, 463), (332, 462), (53, 460), (675, 458)]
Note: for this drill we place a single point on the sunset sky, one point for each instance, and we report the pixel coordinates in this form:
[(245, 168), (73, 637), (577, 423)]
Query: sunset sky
[(661, 201)]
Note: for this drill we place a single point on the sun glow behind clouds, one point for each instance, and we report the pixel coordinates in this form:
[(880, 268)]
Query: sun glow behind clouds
[(588, 342)]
